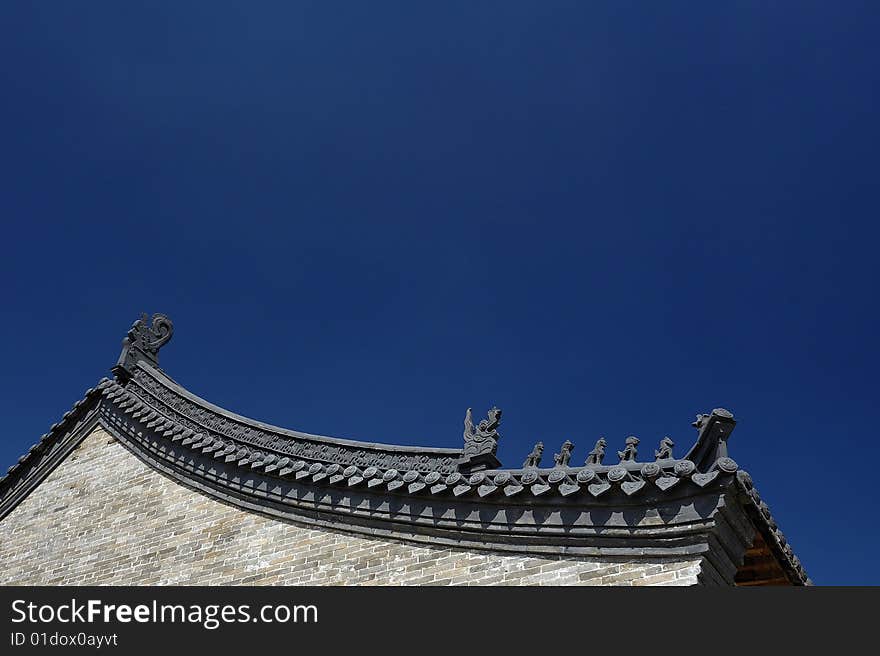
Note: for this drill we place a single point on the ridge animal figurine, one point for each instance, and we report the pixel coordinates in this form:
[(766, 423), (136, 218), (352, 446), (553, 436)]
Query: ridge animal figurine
[(665, 450), (561, 459), (534, 458), (597, 455), (629, 452)]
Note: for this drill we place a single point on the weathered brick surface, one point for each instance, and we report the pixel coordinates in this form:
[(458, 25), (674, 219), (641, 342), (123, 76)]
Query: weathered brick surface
[(104, 517)]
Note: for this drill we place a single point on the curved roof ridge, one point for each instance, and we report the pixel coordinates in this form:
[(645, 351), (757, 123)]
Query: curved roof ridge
[(146, 403), (665, 506), (170, 383)]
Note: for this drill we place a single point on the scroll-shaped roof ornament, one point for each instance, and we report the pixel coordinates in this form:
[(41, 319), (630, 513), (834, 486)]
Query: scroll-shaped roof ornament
[(143, 341)]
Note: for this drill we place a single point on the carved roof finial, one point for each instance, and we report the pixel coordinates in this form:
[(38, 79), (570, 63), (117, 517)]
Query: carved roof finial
[(143, 341), (481, 442), (484, 438)]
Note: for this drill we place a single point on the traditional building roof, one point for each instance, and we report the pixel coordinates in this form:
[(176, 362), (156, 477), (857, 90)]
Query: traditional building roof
[(702, 504)]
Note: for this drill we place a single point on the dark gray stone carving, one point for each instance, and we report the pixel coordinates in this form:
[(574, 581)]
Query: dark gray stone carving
[(713, 430), (534, 458), (727, 465), (143, 341), (684, 468), (630, 451), (597, 455), (480, 442), (665, 450), (585, 475), (617, 474), (562, 458), (484, 438), (556, 476), (726, 416)]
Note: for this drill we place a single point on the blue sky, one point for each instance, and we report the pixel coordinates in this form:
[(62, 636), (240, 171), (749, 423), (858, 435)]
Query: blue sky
[(365, 217)]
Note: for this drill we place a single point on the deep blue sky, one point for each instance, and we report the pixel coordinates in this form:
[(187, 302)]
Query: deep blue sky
[(365, 217)]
